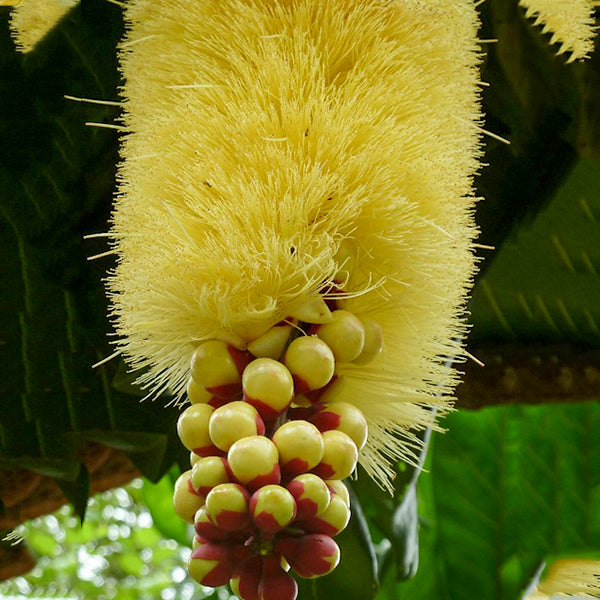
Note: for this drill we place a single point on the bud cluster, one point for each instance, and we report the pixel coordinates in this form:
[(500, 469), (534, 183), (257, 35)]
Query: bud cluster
[(269, 451)]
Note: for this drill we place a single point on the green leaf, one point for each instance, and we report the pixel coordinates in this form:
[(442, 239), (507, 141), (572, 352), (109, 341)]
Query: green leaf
[(507, 487), (77, 491), (544, 283), (395, 518), (43, 543), (159, 500)]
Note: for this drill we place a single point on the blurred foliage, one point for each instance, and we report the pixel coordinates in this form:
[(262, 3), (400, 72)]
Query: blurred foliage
[(118, 553), (504, 489)]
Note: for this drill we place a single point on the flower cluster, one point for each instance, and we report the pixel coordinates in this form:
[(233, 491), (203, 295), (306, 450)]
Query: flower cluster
[(270, 445)]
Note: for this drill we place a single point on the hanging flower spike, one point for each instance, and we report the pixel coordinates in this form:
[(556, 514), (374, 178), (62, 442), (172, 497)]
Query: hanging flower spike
[(31, 20), (281, 153), (569, 577), (570, 21)]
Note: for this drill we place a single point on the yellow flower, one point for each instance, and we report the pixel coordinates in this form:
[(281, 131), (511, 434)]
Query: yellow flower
[(570, 21), (270, 141), (569, 577), (31, 20)]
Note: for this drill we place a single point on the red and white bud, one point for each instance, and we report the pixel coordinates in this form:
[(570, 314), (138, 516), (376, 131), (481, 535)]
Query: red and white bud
[(200, 395), (275, 583), (268, 386), (311, 555), (338, 487), (185, 500), (339, 457), (232, 422), (300, 446), (254, 462), (192, 428), (227, 506), (330, 522), (373, 341), (210, 564), (206, 529), (345, 417), (196, 393), (245, 584), (345, 335), (271, 344), (217, 367), (311, 494), (209, 472), (272, 508), (311, 363)]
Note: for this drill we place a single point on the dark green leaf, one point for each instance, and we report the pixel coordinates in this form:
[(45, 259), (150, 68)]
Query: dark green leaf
[(77, 491)]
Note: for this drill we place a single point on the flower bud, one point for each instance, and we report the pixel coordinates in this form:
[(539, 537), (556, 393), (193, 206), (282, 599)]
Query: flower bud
[(345, 335), (210, 564), (271, 344), (185, 500), (233, 422), (373, 341), (300, 446), (217, 367), (209, 472), (339, 457), (331, 521), (192, 428), (206, 529), (338, 487), (311, 494), (227, 506), (311, 363), (311, 555), (268, 386), (245, 583), (272, 508), (345, 417), (275, 583), (254, 461)]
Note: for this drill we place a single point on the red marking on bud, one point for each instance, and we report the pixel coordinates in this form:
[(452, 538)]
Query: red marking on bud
[(208, 451), (267, 522), (220, 574), (226, 392), (315, 395), (264, 410), (311, 555), (209, 531), (306, 509), (260, 426), (249, 578), (217, 402), (275, 583), (192, 490), (230, 520), (300, 385), (240, 358), (325, 420), (317, 525), (296, 466), (274, 477), (324, 471)]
